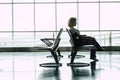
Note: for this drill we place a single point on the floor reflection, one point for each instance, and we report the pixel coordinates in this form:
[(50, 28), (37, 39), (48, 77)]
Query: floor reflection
[(79, 73), (25, 66), (50, 74), (93, 68)]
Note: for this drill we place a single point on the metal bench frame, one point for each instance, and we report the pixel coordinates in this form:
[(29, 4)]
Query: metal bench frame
[(53, 49)]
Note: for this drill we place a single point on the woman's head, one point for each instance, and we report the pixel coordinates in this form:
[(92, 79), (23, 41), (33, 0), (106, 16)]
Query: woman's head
[(72, 22)]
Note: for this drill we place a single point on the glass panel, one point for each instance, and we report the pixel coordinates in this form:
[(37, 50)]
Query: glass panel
[(23, 17), (23, 0), (5, 1), (88, 16), (44, 0), (41, 35), (104, 38), (23, 36), (5, 17), (64, 12), (66, 0), (110, 16), (109, 0), (45, 17), (115, 38), (5, 37), (23, 39), (88, 0)]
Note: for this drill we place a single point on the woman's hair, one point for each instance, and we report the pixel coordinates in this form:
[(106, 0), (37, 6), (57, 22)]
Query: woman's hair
[(72, 22)]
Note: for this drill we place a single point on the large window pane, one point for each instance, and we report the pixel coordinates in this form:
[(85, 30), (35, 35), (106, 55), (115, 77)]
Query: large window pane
[(88, 0), (23, 0), (109, 0), (5, 1), (5, 17), (64, 12), (41, 35), (5, 37), (45, 17), (44, 0), (115, 38), (110, 16), (23, 36), (88, 16), (27, 39), (23, 17), (66, 0)]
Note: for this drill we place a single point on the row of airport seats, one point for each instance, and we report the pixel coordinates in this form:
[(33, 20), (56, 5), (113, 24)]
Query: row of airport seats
[(53, 47)]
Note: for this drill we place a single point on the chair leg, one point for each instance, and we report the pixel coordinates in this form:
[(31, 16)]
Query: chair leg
[(72, 51), (73, 54), (55, 56), (59, 54), (58, 51)]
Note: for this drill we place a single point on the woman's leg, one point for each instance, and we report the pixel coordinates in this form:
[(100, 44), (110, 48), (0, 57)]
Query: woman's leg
[(99, 48), (92, 41)]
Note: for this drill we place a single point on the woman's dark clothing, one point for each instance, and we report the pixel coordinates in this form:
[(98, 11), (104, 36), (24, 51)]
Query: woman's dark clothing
[(81, 40)]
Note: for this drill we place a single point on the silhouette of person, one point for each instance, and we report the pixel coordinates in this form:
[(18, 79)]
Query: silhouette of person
[(81, 40)]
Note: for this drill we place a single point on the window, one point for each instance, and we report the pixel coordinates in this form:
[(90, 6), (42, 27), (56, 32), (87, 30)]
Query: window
[(5, 17), (88, 0), (23, 0), (35, 19), (88, 16), (5, 1), (66, 0), (110, 16), (44, 0), (23, 17), (45, 17)]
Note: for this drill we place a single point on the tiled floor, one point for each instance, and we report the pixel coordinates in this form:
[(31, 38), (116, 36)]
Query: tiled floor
[(25, 66)]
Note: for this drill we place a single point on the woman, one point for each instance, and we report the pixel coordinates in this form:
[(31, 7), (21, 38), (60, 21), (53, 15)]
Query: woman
[(81, 40)]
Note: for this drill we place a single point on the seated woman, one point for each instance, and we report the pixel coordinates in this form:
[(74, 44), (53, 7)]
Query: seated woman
[(81, 40)]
